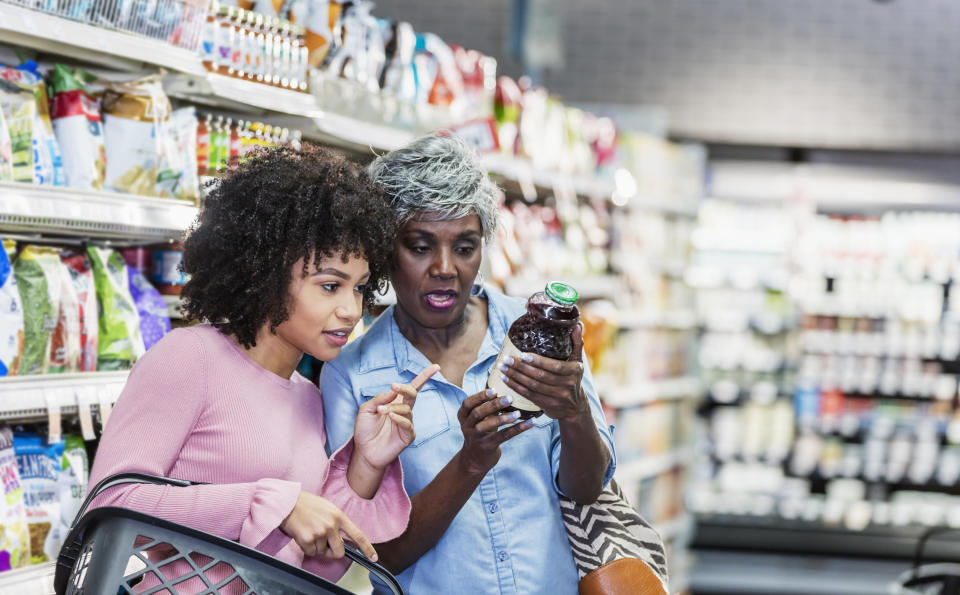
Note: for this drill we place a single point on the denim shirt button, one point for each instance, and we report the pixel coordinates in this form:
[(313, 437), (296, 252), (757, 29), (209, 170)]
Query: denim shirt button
[(502, 556), (493, 507)]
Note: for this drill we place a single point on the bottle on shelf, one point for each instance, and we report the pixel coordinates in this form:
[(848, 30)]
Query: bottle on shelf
[(237, 18), (234, 145), (209, 40), (224, 40), (203, 145)]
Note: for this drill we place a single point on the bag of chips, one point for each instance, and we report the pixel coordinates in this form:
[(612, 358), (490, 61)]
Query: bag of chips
[(120, 342), (140, 146), (76, 123), (20, 111), (15, 537), (6, 151), (39, 467), (185, 131), (65, 348), (11, 314), (47, 161), (154, 316), (81, 274), (74, 475), (39, 288)]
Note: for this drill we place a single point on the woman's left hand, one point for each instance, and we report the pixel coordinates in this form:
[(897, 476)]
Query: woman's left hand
[(384, 425), (553, 385)]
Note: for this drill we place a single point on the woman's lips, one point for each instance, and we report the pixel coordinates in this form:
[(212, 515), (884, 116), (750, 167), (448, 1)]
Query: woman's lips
[(336, 338), (441, 300)]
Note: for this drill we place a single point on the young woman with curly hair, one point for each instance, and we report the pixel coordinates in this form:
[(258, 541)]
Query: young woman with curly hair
[(284, 253)]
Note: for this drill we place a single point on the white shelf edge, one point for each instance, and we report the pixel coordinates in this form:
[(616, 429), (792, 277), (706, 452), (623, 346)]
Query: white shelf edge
[(588, 286), (84, 212), (29, 397), (647, 466), (36, 574), (680, 319), (648, 392)]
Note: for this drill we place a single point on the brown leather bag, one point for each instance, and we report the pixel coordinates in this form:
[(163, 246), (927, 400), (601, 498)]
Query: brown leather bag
[(621, 577)]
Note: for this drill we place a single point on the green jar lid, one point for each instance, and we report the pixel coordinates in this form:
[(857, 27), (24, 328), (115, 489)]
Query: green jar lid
[(562, 293)]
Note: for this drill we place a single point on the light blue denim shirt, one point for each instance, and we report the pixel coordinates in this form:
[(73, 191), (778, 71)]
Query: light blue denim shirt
[(509, 537)]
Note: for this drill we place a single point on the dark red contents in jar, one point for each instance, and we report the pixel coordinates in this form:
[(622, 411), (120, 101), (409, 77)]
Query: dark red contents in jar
[(546, 328)]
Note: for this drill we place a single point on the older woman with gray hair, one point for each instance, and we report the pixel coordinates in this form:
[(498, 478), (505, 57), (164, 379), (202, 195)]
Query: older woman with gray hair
[(484, 487)]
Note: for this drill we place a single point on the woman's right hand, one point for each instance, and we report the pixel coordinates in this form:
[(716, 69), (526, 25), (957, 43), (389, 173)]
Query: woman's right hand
[(480, 420), (316, 524)]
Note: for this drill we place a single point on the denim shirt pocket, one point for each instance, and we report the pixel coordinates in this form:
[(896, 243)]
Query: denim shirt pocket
[(429, 415)]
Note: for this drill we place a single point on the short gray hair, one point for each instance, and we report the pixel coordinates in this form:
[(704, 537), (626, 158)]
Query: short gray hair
[(438, 174)]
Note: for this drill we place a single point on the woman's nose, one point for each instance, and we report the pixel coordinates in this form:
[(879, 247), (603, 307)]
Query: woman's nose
[(442, 265)]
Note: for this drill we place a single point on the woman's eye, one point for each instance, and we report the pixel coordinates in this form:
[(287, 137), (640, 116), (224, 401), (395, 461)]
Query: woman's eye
[(331, 287), (419, 249), (466, 250), (360, 288)]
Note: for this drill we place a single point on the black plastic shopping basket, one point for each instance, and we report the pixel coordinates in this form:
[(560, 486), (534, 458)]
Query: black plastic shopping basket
[(109, 550)]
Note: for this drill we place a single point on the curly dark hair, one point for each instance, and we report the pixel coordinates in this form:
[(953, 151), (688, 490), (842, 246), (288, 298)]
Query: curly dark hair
[(280, 206)]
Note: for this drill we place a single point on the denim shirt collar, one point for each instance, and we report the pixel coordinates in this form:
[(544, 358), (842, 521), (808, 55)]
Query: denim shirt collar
[(406, 357)]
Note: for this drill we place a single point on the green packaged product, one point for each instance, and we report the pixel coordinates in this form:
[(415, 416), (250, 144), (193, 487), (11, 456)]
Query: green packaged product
[(120, 340), (74, 475), (39, 286), (6, 151)]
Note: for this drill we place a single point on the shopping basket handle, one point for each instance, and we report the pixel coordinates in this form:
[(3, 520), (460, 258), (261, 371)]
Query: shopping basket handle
[(135, 477)]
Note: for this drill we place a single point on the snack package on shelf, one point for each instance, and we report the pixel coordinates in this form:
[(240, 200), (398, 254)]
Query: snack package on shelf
[(140, 145), (39, 466), (38, 281), (45, 157), (398, 78), (72, 481), (6, 151), (320, 21), (15, 537), (11, 314), (479, 75), (81, 275), (154, 316), (66, 346), (186, 159), (120, 341), (507, 103), (20, 111), (77, 125)]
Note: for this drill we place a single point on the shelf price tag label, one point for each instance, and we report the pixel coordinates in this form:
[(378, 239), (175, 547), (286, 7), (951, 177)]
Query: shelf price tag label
[(54, 399), (86, 396), (105, 399)]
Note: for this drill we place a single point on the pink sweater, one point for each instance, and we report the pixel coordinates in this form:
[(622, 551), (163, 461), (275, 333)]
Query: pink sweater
[(197, 407)]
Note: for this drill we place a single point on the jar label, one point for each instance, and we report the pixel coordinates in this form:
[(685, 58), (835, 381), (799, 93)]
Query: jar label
[(496, 382)]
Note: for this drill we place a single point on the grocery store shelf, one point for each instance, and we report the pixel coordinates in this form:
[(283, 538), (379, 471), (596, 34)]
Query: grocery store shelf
[(652, 465), (31, 397), (589, 287), (79, 212), (36, 579), (647, 392), (116, 49), (523, 171), (662, 319)]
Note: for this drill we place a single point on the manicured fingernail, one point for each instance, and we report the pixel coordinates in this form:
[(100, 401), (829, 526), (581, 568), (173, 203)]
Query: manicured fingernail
[(512, 416), (508, 360), (527, 357), (503, 367), (505, 379), (383, 409), (506, 400), (491, 392), (374, 558)]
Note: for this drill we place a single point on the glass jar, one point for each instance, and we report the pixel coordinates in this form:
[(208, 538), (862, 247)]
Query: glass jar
[(547, 330)]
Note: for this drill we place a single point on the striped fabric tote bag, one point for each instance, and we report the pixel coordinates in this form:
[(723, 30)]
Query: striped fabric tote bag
[(616, 551)]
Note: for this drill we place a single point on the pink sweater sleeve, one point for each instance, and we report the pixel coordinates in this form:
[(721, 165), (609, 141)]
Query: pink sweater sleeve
[(381, 518), (159, 407)]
